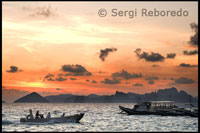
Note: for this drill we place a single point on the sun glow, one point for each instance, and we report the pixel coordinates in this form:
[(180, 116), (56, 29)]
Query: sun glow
[(33, 84)]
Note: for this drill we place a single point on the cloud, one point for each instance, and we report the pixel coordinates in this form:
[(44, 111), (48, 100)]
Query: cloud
[(51, 79), (124, 74), (138, 84), (60, 79), (168, 78), (94, 81), (59, 89), (73, 79), (104, 53), (187, 65), (185, 52), (194, 39), (75, 70), (60, 74), (87, 80), (171, 55), (184, 80), (45, 11), (155, 65), (153, 57), (151, 78), (13, 69), (49, 76), (111, 81), (151, 82)]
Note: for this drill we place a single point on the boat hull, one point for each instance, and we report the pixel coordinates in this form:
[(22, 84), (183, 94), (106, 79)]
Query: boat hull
[(73, 118), (133, 112), (159, 112)]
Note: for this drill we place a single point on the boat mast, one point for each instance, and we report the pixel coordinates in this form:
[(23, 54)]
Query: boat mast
[(155, 99), (190, 101)]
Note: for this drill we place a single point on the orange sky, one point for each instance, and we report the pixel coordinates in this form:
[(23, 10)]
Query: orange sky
[(40, 37)]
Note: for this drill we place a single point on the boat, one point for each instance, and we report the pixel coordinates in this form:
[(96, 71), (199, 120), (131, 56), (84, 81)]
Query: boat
[(163, 108), (63, 119), (135, 112), (148, 108)]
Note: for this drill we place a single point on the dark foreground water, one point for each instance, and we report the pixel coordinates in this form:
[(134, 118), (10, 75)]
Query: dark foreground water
[(98, 117)]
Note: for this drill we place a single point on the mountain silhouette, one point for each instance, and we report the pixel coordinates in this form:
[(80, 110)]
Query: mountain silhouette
[(168, 94), (32, 98)]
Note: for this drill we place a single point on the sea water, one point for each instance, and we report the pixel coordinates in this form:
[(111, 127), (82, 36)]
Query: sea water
[(98, 117)]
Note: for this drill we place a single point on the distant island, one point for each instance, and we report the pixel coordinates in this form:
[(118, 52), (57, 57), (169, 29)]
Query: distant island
[(169, 94), (32, 98)]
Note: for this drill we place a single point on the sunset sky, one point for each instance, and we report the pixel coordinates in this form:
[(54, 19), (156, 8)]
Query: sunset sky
[(66, 47)]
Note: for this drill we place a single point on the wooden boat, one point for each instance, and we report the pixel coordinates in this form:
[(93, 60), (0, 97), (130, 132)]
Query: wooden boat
[(72, 118), (135, 112), (163, 108)]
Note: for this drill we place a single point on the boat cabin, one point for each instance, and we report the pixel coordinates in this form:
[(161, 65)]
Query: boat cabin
[(154, 105)]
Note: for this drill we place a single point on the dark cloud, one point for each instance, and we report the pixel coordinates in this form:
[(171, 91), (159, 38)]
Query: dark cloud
[(171, 55), (45, 11), (152, 78), (151, 82), (59, 89), (75, 70), (184, 80), (94, 81), (187, 65), (137, 84), (194, 39), (60, 74), (51, 79), (73, 79), (60, 79), (49, 76), (111, 81), (185, 52), (104, 53), (124, 74), (153, 57), (155, 65), (13, 69), (87, 80), (168, 78)]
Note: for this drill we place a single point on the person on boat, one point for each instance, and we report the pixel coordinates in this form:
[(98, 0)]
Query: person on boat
[(30, 116), (48, 116), (37, 115), (41, 116), (63, 115)]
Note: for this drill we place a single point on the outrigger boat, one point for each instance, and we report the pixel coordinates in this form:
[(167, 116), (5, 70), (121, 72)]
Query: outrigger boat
[(72, 118)]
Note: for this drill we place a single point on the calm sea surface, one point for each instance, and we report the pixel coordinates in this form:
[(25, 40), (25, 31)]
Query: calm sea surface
[(98, 117)]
